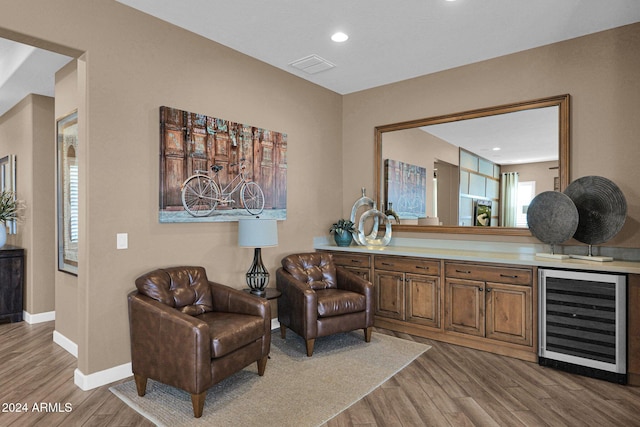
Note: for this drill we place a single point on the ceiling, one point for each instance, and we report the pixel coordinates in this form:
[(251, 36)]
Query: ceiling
[(24, 70), (389, 40), (528, 136)]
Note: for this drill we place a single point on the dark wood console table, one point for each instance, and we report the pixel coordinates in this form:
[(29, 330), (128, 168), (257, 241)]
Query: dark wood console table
[(11, 283)]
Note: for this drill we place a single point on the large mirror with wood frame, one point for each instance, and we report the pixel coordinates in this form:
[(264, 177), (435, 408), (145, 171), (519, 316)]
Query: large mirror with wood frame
[(472, 172)]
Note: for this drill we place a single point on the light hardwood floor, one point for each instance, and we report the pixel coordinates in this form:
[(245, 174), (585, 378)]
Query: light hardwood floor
[(446, 386)]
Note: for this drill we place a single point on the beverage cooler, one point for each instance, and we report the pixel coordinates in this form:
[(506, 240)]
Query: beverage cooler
[(583, 323)]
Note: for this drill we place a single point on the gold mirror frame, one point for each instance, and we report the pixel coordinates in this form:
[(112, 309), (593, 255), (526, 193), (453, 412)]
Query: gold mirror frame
[(561, 101)]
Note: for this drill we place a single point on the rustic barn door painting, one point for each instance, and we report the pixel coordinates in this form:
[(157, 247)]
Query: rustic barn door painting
[(193, 143)]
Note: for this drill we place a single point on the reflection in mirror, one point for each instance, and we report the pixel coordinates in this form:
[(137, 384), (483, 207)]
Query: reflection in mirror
[(478, 169)]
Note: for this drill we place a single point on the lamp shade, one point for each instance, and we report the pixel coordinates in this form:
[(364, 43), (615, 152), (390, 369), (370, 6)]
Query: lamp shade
[(257, 232)]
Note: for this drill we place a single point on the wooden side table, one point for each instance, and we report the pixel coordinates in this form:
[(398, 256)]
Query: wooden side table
[(11, 283)]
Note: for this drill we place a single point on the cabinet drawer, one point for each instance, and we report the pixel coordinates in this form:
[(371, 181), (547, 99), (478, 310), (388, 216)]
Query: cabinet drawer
[(517, 276), (408, 265), (351, 260)]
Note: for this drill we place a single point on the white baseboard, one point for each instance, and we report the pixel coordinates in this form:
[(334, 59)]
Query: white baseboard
[(65, 343), (38, 317), (98, 379)]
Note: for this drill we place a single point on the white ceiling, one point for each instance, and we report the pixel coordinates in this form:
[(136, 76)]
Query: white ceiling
[(529, 136), (24, 70), (389, 40)]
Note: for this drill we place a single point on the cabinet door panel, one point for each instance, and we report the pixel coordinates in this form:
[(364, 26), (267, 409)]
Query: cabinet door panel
[(389, 290), (509, 311), (464, 300), (423, 300), (11, 284)]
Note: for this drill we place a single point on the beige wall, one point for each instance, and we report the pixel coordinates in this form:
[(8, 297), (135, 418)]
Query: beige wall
[(599, 71), (135, 64), (26, 131), (542, 173), (66, 285)]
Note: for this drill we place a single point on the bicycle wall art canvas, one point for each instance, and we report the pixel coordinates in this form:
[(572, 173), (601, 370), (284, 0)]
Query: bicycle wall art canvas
[(406, 188), (215, 170)]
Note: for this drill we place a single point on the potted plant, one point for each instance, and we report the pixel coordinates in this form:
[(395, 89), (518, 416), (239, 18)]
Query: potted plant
[(342, 232), (8, 212)]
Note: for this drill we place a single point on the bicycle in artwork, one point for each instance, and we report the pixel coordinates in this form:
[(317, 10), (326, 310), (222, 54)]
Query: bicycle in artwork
[(202, 192)]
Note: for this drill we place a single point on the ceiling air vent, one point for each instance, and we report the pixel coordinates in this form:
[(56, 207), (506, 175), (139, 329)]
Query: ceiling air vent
[(312, 64)]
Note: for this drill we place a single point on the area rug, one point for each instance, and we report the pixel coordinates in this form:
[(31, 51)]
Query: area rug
[(295, 390)]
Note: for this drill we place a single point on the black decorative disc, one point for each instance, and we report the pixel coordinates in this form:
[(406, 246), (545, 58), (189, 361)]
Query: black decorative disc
[(552, 217), (601, 206)]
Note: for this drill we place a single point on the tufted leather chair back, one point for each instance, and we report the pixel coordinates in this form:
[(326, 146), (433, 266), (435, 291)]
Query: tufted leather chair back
[(185, 288), (314, 268)]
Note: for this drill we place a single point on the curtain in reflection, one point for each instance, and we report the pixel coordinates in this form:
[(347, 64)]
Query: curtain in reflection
[(508, 199)]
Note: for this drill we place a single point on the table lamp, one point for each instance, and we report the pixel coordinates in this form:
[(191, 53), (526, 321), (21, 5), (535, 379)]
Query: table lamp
[(257, 233)]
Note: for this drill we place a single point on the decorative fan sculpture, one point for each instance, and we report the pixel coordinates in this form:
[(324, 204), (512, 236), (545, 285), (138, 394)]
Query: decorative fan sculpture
[(552, 218), (602, 210)]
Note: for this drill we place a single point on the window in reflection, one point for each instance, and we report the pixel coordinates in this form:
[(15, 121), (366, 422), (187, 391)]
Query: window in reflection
[(526, 193)]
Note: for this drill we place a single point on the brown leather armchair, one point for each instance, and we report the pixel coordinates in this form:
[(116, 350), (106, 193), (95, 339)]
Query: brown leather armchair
[(320, 299), (191, 333)]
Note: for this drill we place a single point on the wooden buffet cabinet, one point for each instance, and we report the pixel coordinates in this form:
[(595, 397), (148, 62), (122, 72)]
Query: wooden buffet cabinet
[(473, 301), (490, 307)]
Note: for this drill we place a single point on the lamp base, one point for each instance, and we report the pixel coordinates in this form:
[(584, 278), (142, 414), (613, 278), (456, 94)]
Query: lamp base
[(257, 276)]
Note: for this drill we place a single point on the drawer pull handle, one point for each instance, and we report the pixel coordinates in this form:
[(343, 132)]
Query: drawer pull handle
[(422, 267), (480, 289), (463, 271), (488, 290), (357, 261), (387, 263), (509, 276)]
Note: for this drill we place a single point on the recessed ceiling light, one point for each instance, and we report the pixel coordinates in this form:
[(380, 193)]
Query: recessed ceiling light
[(339, 37), (494, 148)]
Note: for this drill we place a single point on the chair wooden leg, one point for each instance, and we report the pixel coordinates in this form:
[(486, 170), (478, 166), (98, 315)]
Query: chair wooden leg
[(141, 384), (283, 331), (367, 334), (262, 364), (197, 400), (310, 344)]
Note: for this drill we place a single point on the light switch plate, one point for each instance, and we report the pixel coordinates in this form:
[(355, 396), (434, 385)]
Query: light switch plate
[(122, 241)]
